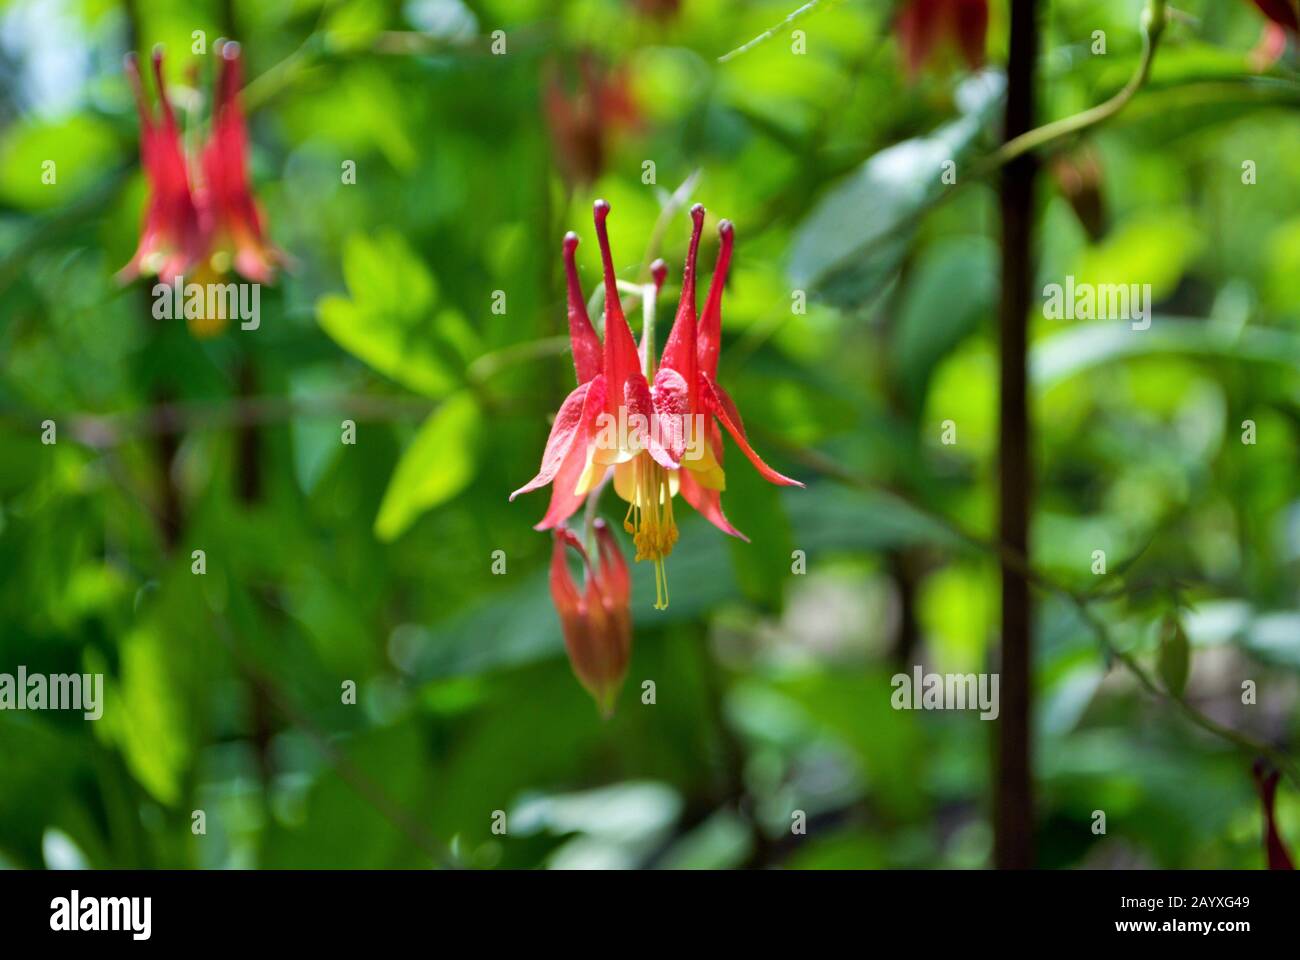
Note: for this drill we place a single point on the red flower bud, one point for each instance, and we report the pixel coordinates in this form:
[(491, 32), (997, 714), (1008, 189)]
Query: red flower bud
[(596, 622)]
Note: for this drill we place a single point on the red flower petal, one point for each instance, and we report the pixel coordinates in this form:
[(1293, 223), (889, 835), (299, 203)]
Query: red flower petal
[(564, 592), (919, 27), (970, 24), (616, 583), (565, 429), (621, 359), (724, 408), (680, 350), (710, 332), (707, 503), (582, 335), (641, 416), (672, 407)]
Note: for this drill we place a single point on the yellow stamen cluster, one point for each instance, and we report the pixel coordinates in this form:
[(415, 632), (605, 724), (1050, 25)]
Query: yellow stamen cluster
[(650, 520)]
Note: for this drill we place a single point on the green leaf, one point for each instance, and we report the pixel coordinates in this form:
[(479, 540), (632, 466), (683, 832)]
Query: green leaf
[(1152, 248), (1175, 657), (82, 150), (952, 286), (152, 717), (439, 463), (1087, 346), (390, 322), (855, 238)]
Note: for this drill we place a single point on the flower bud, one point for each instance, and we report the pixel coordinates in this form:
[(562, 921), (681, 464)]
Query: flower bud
[(596, 622)]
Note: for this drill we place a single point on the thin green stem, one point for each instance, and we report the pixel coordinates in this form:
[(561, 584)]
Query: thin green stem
[(772, 31), (1153, 26), (648, 354)]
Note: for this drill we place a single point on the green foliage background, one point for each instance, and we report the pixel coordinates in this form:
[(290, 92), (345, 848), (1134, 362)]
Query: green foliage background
[(373, 563)]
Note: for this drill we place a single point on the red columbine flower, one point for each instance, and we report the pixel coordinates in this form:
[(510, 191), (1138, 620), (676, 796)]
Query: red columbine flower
[(596, 622), (1266, 778), (643, 422), (201, 218), (922, 26)]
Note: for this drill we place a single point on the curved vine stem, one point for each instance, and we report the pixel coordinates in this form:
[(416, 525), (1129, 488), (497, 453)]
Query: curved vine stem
[(1154, 19), (772, 31)]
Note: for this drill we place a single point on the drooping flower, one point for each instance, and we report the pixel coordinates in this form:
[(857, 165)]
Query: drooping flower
[(1266, 779), (924, 25), (201, 219), (584, 120), (595, 620), (657, 429)]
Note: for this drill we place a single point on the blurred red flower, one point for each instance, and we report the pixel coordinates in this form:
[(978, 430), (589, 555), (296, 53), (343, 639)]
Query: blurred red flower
[(584, 119), (923, 26), (201, 219)]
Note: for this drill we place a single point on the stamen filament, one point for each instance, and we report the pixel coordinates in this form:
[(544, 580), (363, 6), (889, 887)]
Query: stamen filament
[(650, 520)]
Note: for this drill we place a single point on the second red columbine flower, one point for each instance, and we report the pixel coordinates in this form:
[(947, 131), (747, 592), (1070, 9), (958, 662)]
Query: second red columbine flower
[(656, 428), (201, 219)]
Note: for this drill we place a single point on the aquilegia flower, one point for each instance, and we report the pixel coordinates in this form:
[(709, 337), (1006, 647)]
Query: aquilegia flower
[(656, 428), (596, 622), (924, 24), (201, 219)]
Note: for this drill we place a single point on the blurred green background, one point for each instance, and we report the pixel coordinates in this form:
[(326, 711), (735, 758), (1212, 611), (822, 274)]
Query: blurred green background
[(373, 562)]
